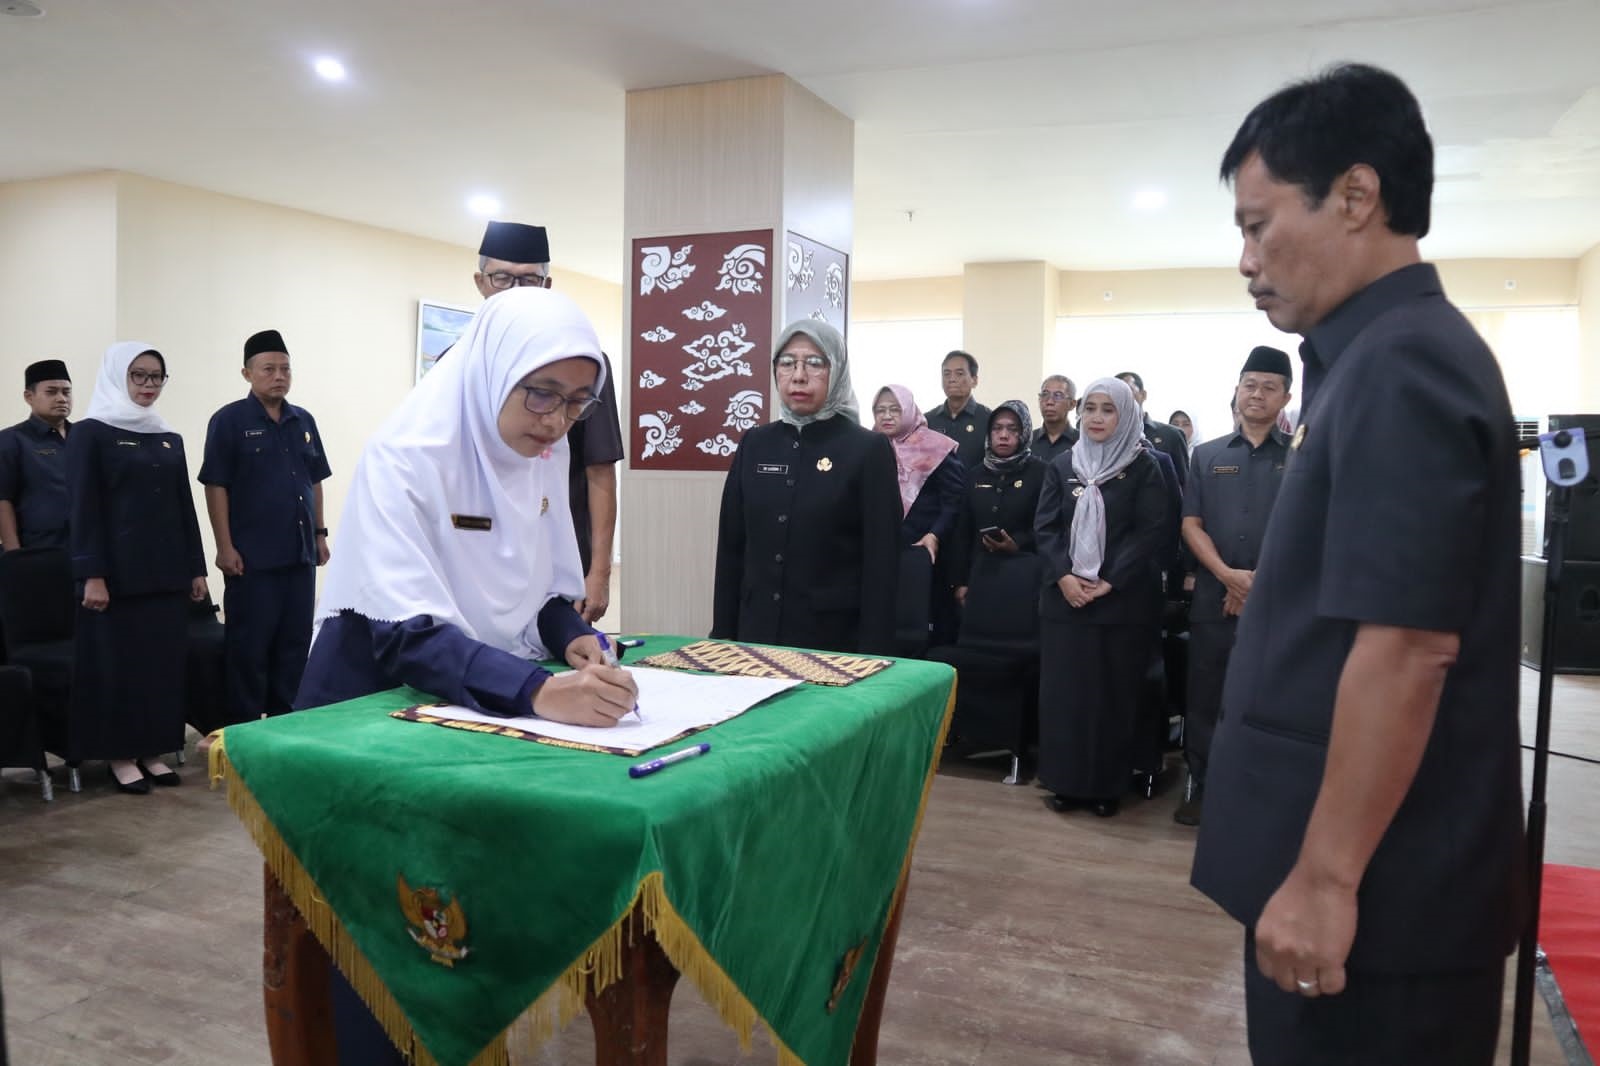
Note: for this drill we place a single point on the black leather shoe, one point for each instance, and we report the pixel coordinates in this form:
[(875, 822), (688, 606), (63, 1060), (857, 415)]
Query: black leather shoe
[(1105, 808), (1062, 804), (170, 779), (140, 787)]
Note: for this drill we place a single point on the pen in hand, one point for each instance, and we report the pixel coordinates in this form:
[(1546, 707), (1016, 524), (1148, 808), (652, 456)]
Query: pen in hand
[(609, 656)]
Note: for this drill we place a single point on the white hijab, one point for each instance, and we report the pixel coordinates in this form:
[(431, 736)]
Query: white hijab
[(441, 455), (111, 403), (1096, 463)]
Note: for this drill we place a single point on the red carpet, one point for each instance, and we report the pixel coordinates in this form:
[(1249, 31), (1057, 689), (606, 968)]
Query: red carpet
[(1569, 932)]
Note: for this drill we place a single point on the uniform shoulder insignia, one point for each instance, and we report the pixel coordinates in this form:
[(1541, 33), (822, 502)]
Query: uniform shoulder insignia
[(1299, 437)]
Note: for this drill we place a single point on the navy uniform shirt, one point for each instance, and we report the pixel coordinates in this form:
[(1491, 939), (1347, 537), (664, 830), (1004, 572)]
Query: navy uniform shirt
[(1047, 449), (269, 469), (1171, 441), (1232, 485), (1399, 507), (596, 441), (969, 430), (33, 479)]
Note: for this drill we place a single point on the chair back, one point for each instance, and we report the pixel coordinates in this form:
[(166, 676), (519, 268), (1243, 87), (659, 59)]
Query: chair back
[(913, 611), (1002, 608), (37, 596)]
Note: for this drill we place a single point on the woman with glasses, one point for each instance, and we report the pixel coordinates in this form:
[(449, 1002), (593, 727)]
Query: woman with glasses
[(136, 551), (458, 563), (808, 538)]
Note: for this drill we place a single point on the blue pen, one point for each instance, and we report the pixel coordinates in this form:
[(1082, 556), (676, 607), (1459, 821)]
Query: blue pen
[(610, 658), (645, 769)]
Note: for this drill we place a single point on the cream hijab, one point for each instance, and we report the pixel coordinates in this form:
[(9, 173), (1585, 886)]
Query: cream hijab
[(1096, 462), (404, 550), (111, 403)]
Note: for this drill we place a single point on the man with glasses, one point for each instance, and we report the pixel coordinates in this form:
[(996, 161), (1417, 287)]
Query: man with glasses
[(512, 255), (263, 472), (33, 462), (1057, 398)]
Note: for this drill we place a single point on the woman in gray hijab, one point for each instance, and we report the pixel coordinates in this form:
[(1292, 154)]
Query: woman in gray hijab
[(807, 541), (1100, 527)]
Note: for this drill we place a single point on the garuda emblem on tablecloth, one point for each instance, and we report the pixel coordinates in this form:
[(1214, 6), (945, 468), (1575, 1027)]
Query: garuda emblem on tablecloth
[(436, 926)]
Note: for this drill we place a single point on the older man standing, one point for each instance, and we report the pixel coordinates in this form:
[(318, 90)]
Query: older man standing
[(1057, 399), (1363, 801), (515, 254)]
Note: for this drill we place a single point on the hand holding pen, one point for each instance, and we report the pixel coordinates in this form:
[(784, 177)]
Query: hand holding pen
[(596, 692), (609, 654)]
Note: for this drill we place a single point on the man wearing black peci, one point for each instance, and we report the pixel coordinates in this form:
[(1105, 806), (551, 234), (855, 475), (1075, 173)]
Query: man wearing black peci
[(1363, 801)]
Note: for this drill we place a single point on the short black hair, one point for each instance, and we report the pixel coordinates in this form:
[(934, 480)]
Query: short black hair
[(972, 364), (1310, 132), (1138, 382)]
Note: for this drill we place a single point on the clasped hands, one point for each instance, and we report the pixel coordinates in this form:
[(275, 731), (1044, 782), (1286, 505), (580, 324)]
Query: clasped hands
[(1081, 593)]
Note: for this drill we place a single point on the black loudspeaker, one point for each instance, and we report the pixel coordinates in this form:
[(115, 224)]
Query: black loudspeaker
[(1583, 525), (1577, 649)]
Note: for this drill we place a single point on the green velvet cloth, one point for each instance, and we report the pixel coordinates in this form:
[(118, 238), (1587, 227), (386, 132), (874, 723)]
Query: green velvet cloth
[(781, 849)]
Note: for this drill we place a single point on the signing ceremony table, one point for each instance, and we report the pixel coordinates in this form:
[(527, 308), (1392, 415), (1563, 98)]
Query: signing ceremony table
[(475, 886)]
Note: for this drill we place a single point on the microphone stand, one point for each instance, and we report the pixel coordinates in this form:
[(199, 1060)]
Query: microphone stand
[(1563, 473)]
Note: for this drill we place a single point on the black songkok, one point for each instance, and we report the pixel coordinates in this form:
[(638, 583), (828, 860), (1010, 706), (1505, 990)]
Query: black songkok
[(515, 242), (45, 370), (1264, 360), (268, 340)]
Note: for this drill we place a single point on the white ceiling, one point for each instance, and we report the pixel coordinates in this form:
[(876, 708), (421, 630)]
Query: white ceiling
[(1013, 129)]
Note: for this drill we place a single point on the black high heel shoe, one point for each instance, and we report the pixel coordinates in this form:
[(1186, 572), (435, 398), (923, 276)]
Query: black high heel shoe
[(169, 779), (1106, 808), (1062, 804), (140, 787)]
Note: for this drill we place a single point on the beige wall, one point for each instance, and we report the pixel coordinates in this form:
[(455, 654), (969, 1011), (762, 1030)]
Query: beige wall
[(1588, 284), (1009, 325), (88, 261)]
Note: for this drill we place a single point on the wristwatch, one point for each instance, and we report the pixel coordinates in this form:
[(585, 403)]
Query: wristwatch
[(321, 531)]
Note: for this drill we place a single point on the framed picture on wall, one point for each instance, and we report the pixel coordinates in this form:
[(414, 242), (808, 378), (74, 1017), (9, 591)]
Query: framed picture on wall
[(438, 327)]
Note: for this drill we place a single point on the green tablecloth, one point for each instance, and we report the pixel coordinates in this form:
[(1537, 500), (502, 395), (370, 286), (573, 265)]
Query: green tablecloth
[(760, 866)]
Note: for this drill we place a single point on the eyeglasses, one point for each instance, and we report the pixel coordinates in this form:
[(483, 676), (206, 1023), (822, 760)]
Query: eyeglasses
[(1055, 394), (786, 363), (542, 401), (147, 377), (886, 410), (502, 280)]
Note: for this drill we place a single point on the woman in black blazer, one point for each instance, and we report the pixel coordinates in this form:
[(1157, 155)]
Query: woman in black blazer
[(1100, 528), (1002, 499), (136, 550)]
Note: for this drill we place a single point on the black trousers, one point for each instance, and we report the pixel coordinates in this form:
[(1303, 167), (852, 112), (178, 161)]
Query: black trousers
[(1090, 678), (268, 638), (1436, 1019), (1210, 645), (360, 1039)]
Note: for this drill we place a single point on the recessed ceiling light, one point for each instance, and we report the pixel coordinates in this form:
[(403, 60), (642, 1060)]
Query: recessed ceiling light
[(329, 69), (483, 205), (1149, 200), (21, 8)]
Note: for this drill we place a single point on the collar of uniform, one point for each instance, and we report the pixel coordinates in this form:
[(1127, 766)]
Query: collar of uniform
[(41, 428), (1274, 436), (289, 409), (1330, 337)]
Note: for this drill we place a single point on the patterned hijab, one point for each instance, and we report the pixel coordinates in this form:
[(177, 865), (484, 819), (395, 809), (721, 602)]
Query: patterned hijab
[(1018, 459), (841, 397), (1095, 463), (918, 450)]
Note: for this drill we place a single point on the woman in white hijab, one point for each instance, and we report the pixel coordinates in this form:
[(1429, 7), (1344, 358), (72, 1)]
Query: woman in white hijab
[(458, 563), (1101, 525), (808, 538), (135, 546)]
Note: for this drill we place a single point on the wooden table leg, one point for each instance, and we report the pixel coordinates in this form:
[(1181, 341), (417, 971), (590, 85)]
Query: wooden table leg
[(294, 985), (864, 1051), (630, 1017)]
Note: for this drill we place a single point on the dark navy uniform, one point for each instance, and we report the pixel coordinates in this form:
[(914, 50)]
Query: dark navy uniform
[(133, 524), (808, 539), (270, 470), (33, 479), (1009, 501), (1046, 449), (1232, 486), (1170, 441), (1399, 507), (595, 441), (969, 430)]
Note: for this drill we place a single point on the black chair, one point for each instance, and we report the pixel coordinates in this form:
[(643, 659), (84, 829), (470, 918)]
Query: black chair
[(20, 743), (913, 610), (996, 656), (37, 610), (205, 681)]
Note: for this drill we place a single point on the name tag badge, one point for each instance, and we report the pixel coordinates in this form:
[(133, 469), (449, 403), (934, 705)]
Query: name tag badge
[(127, 444), (772, 468), (254, 433), (44, 451), (477, 523), (1224, 470)]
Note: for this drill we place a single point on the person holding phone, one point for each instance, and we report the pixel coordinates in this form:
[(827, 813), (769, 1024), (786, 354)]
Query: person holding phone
[(1002, 496)]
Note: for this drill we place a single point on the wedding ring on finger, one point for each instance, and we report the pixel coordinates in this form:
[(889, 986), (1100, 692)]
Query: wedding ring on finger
[(1306, 986)]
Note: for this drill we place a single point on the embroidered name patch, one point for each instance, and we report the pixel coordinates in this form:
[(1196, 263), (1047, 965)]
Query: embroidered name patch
[(1224, 470), (255, 433), (772, 468), (480, 523)]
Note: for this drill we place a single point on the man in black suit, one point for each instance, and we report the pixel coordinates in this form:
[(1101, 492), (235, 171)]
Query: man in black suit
[(1168, 439)]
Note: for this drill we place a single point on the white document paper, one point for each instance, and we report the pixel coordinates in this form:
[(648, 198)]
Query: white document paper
[(671, 702)]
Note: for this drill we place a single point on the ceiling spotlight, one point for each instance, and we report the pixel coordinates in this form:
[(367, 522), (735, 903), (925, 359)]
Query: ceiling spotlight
[(483, 205), (1149, 200), (329, 69)]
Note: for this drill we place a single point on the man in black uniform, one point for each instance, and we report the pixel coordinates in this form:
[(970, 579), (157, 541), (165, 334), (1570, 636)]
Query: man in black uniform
[(1363, 798), (961, 418), (515, 254), (33, 462), (1167, 439), (1233, 481), (263, 472), (1057, 399)]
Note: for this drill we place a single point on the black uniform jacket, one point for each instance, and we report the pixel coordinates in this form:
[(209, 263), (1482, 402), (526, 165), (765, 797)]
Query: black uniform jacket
[(1136, 537), (1008, 501), (807, 552)]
